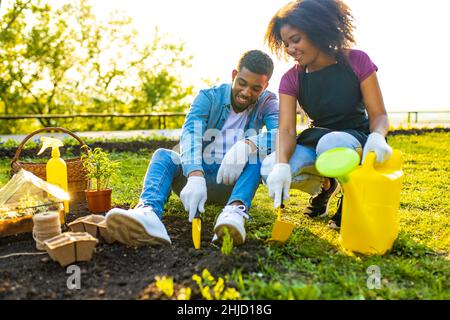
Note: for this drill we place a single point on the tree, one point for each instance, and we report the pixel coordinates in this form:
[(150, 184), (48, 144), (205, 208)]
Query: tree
[(63, 59)]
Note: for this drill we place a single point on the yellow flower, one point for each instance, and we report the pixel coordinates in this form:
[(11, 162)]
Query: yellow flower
[(207, 276), (184, 294), (197, 279), (206, 293), (231, 294), (165, 285), (218, 288)]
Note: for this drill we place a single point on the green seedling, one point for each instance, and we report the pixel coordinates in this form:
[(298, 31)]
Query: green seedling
[(227, 244)]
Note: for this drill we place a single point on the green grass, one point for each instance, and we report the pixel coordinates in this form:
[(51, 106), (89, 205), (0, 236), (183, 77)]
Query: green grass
[(312, 265)]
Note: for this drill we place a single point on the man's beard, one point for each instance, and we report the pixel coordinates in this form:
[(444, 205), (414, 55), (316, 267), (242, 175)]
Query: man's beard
[(239, 108)]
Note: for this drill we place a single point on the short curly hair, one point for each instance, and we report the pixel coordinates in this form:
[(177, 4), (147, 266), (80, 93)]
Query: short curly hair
[(257, 62), (327, 23)]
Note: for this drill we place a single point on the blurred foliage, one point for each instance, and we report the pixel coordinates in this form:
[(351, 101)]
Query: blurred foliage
[(62, 59)]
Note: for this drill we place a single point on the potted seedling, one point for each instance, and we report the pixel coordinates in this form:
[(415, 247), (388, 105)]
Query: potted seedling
[(100, 169)]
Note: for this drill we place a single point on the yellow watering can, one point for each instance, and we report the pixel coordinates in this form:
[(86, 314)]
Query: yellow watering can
[(371, 200)]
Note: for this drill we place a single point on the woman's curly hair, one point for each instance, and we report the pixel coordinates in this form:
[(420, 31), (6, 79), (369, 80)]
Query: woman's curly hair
[(327, 23)]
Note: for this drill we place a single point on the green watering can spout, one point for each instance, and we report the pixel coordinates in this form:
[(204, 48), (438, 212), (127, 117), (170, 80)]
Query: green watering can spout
[(337, 163)]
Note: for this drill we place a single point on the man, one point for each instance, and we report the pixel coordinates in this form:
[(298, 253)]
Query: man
[(219, 161)]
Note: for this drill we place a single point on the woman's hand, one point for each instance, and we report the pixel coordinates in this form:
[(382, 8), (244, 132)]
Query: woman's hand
[(279, 182), (377, 143)]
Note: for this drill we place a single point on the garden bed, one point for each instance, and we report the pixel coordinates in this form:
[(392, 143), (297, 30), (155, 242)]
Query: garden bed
[(117, 271), (110, 146), (311, 265)]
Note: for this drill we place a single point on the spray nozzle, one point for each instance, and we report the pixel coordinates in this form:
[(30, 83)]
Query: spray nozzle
[(53, 143)]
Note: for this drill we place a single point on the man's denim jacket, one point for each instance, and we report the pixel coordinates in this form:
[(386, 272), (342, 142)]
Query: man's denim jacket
[(210, 110)]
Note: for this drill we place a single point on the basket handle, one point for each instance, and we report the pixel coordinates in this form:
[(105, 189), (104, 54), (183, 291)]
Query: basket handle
[(47, 129)]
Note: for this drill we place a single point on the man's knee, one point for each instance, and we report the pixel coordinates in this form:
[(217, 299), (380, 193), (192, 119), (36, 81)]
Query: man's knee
[(162, 155), (337, 139)]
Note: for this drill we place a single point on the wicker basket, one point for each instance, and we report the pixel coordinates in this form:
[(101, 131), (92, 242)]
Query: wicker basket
[(76, 175)]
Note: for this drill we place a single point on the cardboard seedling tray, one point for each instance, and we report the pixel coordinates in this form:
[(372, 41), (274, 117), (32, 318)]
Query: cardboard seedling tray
[(93, 224), (71, 247)]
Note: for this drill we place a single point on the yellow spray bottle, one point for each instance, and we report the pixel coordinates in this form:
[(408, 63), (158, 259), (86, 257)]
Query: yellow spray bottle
[(56, 167)]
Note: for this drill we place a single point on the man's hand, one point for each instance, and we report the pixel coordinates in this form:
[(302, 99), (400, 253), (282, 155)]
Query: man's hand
[(279, 182), (193, 196), (376, 142), (233, 163)]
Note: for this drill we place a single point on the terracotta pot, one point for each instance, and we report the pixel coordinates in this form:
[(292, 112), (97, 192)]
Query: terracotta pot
[(98, 201)]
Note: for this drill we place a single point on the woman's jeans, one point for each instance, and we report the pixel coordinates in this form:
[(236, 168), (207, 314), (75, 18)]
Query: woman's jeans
[(304, 174), (165, 174)]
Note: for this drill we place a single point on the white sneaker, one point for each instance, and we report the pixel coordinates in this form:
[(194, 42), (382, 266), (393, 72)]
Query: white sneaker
[(135, 227), (232, 217)]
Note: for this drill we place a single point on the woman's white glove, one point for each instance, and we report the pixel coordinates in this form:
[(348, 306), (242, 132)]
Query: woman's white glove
[(279, 182), (233, 163), (193, 196), (377, 143)]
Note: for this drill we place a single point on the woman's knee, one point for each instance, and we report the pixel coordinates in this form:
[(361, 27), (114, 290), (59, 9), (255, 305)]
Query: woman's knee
[(337, 139), (267, 165), (302, 157)]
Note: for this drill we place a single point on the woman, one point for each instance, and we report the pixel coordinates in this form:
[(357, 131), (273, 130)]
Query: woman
[(336, 86)]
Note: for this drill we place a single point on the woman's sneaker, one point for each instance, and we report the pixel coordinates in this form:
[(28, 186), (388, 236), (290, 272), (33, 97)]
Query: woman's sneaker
[(335, 222), (135, 227), (319, 205), (232, 218)]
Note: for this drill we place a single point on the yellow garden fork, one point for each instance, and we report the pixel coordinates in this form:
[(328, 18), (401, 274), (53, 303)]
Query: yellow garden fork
[(197, 230)]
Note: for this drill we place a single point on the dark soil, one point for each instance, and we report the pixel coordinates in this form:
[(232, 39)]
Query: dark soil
[(117, 271), (417, 131), (151, 145), (113, 146)]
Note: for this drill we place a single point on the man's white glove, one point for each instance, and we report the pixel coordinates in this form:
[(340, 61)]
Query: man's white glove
[(193, 196), (376, 142), (279, 182), (233, 163)]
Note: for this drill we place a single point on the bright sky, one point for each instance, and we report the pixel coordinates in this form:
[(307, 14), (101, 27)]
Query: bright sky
[(405, 38)]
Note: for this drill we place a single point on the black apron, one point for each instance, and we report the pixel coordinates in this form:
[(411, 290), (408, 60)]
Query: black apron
[(332, 99)]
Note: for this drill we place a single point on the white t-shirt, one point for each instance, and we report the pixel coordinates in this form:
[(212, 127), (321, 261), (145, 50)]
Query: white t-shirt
[(232, 131)]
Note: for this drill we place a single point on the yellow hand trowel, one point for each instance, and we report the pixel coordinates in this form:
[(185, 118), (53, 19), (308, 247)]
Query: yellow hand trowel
[(281, 229), (196, 230)]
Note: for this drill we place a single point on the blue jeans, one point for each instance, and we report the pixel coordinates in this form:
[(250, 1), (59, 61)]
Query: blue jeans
[(304, 174), (165, 174)]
